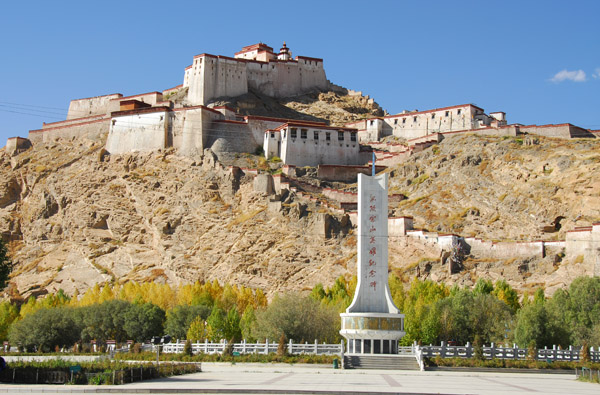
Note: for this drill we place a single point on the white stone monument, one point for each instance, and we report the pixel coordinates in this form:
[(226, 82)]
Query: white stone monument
[(372, 324)]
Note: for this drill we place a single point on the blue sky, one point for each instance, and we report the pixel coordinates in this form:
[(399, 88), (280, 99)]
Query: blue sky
[(539, 61)]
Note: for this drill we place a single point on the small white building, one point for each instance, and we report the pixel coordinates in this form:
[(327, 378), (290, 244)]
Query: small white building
[(302, 143)]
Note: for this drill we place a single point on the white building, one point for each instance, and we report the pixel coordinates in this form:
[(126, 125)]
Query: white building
[(302, 143), (256, 67), (410, 125)]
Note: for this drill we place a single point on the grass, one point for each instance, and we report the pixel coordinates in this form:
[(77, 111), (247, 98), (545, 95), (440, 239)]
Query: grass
[(201, 357), (245, 217), (495, 218), (508, 363), (419, 180)]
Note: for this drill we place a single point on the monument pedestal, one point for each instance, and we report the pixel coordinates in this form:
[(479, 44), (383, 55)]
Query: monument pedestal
[(372, 333)]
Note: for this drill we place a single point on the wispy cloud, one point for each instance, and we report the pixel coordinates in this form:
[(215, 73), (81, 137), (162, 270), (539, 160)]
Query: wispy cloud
[(596, 74), (575, 76)]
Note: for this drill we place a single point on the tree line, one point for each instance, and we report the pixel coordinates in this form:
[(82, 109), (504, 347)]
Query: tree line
[(488, 312)]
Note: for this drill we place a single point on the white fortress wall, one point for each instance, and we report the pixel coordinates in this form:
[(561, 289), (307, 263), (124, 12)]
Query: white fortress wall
[(211, 77), (312, 73), (585, 242), (261, 77), (86, 107), (92, 130), (309, 151), (286, 80), (139, 131)]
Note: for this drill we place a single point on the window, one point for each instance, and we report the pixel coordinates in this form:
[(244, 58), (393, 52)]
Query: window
[(371, 122), (395, 122), (432, 115), (447, 113), (340, 136), (414, 119), (327, 136), (272, 135), (316, 134), (293, 133), (303, 133), (352, 136), (403, 121), (458, 112)]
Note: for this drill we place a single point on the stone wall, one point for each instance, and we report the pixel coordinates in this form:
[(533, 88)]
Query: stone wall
[(139, 131), (230, 136), (16, 144), (92, 130), (99, 105), (584, 243), (565, 130)]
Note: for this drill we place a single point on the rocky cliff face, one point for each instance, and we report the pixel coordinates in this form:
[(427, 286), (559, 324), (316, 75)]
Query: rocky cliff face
[(75, 216)]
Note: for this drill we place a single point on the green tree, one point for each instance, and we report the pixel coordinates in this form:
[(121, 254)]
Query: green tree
[(247, 322), (531, 325), (215, 325), (420, 324), (105, 321), (232, 330), (8, 314), (6, 266), (504, 292), (180, 318), (584, 308), (483, 286), (490, 318), (143, 321), (300, 318), (46, 329), (197, 330)]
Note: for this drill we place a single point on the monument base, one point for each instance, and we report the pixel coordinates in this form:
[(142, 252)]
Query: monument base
[(372, 333)]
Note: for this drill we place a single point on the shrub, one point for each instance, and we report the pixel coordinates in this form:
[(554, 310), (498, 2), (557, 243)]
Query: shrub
[(281, 347), (187, 348)]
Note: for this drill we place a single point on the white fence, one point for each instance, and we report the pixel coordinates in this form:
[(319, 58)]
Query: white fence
[(256, 348), (499, 352)]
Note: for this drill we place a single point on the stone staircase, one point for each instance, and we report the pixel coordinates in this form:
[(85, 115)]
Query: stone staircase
[(384, 362)]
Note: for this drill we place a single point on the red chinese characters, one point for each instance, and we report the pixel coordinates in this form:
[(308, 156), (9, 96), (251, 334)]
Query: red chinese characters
[(372, 229)]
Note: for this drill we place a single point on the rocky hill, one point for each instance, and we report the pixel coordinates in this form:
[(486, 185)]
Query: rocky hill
[(76, 216)]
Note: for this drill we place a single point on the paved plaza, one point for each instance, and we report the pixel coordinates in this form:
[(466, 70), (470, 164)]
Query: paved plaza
[(286, 379)]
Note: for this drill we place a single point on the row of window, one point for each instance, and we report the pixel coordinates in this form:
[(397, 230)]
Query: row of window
[(447, 114), (304, 135)]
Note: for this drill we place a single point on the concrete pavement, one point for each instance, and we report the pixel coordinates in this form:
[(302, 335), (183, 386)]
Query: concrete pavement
[(304, 379)]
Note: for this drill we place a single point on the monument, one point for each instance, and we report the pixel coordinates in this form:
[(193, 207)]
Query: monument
[(372, 324)]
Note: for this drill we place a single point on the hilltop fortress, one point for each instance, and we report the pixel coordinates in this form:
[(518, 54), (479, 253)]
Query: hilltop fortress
[(185, 117)]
